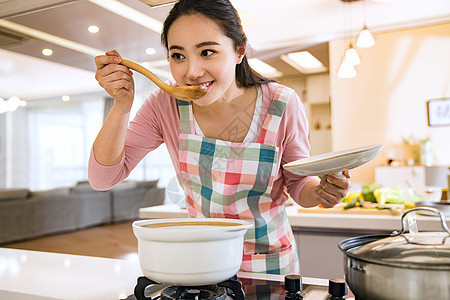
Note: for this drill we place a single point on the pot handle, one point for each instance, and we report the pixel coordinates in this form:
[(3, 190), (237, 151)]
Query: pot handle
[(430, 209)]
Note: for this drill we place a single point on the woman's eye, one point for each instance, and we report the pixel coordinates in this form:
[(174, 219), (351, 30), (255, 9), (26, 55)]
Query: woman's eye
[(177, 56), (207, 52)]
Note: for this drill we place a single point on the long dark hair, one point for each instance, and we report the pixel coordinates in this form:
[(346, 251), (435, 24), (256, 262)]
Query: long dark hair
[(225, 15)]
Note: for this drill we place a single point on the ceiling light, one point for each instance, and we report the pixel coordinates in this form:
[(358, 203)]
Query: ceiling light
[(150, 51), (365, 39), (93, 29), (63, 42), (130, 14), (346, 70), (263, 68), (352, 56), (51, 38), (304, 61), (65, 98), (47, 52), (10, 105)]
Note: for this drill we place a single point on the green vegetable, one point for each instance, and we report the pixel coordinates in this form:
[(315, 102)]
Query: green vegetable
[(394, 195), (353, 203), (367, 191)]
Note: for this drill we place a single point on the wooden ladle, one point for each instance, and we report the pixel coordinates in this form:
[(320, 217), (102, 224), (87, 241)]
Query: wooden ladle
[(188, 92)]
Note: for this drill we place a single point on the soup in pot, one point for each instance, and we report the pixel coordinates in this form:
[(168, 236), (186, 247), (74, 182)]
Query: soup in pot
[(194, 223)]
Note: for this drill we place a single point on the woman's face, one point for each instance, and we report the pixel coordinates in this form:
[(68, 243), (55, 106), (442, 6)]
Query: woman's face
[(200, 54)]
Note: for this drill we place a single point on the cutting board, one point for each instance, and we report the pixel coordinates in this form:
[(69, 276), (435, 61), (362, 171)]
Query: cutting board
[(355, 210)]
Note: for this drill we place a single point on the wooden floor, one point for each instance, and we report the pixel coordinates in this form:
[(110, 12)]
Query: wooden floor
[(110, 241)]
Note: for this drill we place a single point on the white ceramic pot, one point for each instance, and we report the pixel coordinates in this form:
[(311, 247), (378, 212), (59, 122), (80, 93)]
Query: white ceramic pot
[(187, 251)]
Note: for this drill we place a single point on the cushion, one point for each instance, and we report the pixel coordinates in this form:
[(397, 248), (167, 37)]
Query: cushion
[(14, 194), (82, 188), (125, 185), (150, 184), (62, 191)]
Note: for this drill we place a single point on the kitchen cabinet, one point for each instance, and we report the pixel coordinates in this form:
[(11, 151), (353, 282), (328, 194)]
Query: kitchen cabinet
[(414, 176), (319, 252)]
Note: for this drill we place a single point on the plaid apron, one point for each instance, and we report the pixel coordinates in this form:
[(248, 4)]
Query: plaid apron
[(223, 179)]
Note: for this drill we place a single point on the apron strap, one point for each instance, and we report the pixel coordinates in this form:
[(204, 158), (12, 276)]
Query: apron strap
[(185, 110), (273, 118)]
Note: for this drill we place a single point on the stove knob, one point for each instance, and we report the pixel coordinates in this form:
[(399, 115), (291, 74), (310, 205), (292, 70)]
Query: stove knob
[(337, 288), (293, 283)]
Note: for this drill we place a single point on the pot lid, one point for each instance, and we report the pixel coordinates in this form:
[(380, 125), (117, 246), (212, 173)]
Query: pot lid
[(415, 250), (426, 249)]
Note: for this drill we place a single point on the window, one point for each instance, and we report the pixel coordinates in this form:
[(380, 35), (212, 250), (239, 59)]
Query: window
[(52, 141)]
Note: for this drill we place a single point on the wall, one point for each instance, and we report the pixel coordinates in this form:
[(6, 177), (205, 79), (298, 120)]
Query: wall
[(2, 151), (386, 101)]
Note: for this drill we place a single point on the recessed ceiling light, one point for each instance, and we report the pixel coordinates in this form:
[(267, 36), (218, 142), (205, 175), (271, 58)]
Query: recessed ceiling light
[(263, 68), (47, 52), (93, 29), (51, 38), (65, 98), (304, 61), (150, 51)]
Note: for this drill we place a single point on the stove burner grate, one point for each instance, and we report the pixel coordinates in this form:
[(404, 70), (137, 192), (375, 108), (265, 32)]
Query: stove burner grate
[(231, 287), (211, 292)]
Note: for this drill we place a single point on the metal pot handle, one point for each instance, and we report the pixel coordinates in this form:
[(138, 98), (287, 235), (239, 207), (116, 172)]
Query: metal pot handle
[(430, 209)]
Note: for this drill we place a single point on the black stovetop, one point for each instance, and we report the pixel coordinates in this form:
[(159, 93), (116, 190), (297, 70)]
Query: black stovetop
[(252, 288)]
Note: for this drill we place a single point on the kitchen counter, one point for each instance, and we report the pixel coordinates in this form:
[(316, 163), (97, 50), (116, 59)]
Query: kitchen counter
[(42, 275), (35, 275), (316, 221)]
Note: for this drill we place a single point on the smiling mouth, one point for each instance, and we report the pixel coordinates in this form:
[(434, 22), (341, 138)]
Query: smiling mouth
[(205, 85)]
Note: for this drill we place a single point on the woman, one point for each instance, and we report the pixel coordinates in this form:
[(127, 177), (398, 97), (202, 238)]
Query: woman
[(227, 147)]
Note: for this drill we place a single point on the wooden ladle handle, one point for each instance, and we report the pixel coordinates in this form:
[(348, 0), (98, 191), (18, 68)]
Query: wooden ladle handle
[(188, 92), (137, 67)]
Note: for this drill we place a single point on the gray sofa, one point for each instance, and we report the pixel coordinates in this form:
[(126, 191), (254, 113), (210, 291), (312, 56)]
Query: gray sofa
[(25, 214)]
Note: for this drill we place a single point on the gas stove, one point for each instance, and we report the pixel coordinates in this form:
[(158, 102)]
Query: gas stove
[(246, 286)]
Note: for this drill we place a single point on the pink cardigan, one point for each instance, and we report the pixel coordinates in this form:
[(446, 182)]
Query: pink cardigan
[(157, 122)]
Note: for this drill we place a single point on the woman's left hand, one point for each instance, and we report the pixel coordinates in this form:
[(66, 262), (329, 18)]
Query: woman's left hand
[(332, 189)]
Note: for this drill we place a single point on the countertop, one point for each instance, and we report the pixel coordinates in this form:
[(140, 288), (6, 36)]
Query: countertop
[(35, 275), (317, 221), (44, 275)]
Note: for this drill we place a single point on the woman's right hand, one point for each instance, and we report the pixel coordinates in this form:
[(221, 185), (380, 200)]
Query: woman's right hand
[(116, 79)]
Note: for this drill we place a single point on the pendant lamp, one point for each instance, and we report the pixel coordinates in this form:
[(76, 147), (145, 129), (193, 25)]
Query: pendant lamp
[(365, 39), (352, 56), (346, 70)]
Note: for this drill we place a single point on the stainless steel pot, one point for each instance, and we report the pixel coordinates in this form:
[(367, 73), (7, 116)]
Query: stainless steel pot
[(400, 266)]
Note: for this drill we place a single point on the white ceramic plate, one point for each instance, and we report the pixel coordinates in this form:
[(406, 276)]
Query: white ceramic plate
[(333, 162)]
